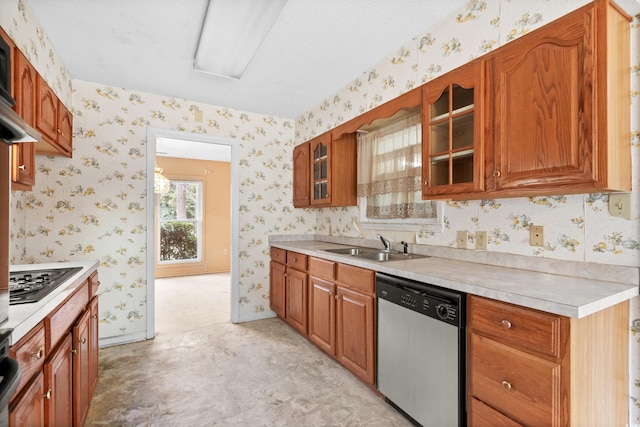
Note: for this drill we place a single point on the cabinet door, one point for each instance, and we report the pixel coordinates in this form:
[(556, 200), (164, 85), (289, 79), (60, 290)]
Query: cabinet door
[(28, 410), (277, 273), (81, 376), (46, 112), (322, 314), (24, 154), (93, 345), (543, 131), (296, 300), (452, 149), (320, 149), (301, 169), (355, 333), (65, 129), (58, 372)]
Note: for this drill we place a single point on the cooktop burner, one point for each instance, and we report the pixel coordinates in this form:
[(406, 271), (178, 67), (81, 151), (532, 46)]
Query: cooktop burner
[(32, 286)]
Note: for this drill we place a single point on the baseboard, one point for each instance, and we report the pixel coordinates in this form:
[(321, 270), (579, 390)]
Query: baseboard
[(122, 339)]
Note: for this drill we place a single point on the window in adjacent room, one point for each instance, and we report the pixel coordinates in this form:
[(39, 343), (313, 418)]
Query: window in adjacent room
[(180, 222)]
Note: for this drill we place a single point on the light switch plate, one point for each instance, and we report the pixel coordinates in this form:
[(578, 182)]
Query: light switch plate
[(536, 235), (481, 240), (620, 205), (461, 239)]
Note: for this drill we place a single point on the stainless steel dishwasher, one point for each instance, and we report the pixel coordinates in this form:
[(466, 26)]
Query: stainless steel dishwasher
[(422, 350)]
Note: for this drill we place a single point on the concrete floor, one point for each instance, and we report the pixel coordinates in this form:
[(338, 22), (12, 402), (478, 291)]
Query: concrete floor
[(202, 370)]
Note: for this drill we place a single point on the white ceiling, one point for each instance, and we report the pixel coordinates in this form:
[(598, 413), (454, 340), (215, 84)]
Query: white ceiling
[(315, 47)]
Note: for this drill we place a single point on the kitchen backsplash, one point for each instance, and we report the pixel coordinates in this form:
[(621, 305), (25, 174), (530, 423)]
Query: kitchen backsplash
[(94, 205)]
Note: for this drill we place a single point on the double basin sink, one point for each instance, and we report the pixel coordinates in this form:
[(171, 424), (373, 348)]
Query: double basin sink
[(373, 254)]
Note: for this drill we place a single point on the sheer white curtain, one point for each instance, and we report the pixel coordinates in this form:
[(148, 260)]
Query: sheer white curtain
[(390, 171)]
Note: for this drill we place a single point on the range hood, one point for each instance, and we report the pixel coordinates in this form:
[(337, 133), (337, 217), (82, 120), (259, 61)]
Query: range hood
[(13, 129)]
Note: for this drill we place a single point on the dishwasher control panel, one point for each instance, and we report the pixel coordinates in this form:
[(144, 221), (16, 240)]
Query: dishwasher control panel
[(429, 300)]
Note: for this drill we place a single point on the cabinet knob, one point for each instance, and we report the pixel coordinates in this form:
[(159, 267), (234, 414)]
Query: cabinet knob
[(95, 316), (21, 167), (496, 173), (38, 354), (337, 297), (47, 395), (74, 351), (60, 132), (506, 324), (83, 340), (506, 385)]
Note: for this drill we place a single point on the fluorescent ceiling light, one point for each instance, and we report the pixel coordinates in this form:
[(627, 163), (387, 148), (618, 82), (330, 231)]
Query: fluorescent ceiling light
[(232, 32)]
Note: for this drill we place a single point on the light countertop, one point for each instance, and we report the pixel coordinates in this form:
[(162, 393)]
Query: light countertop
[(569, 296), (23, 317)]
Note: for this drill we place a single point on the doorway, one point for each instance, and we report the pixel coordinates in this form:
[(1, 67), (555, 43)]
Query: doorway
[(176, 144)]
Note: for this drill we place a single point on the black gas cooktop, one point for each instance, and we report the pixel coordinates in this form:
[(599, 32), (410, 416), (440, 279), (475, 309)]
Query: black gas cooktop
[(31, 286)]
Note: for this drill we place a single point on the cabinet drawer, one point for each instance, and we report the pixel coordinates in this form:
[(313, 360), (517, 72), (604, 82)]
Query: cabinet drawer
[(297, 261), (485, 416), (356, 278), (278, 255), (518, 384), (30, 352), (529, 330), (322, 268), (59, 322)]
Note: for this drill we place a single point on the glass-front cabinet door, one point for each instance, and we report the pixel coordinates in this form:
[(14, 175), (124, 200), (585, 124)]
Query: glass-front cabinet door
[(321, 170), (452, 133)]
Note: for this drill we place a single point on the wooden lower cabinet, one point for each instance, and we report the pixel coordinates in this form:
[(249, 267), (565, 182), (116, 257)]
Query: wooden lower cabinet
[(59, 363), (93, 345), (28, 410), (277, 274), (81, 378), (341, 315), (322, 314), (58, 373), (528, 367), (296, 299), (355, 332)]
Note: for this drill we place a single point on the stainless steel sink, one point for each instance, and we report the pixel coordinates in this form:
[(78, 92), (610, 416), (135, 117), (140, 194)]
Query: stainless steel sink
[(389, 256), (351, 251)]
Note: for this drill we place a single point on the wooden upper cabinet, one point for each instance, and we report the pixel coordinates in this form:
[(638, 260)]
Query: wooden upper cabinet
[(552, 129), (53, 121), (320, 148), (452, 133), (301, 169), (23, 168), (333, 170)]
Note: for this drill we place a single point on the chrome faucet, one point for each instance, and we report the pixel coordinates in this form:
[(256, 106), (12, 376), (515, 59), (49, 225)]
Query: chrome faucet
[(386, 243)]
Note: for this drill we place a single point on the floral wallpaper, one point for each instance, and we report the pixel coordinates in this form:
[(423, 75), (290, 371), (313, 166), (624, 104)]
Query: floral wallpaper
[(93, 206)]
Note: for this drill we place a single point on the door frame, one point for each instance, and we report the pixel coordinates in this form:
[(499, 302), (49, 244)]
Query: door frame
[(152, 134)]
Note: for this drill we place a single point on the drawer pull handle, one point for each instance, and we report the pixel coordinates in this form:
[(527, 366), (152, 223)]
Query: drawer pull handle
[(38, 355), (47, 395), (506, 385), (506, 324)]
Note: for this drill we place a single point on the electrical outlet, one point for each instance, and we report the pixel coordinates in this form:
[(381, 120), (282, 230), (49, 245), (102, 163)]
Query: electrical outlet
[(536, 235), (481, 240), (620, 205), (461, 240)]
